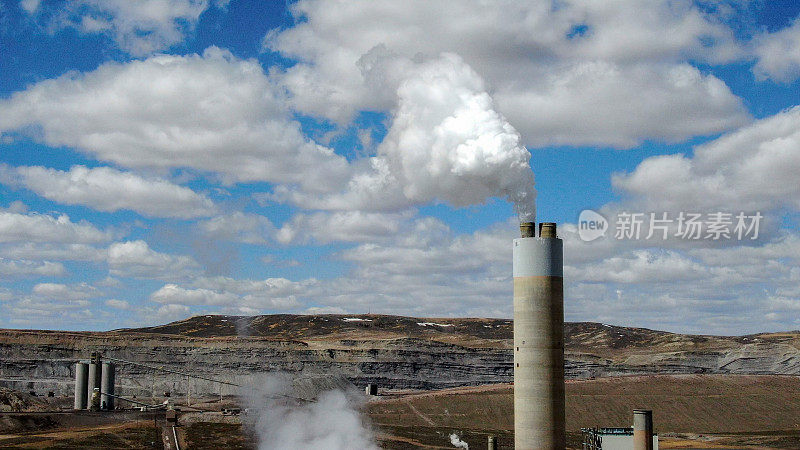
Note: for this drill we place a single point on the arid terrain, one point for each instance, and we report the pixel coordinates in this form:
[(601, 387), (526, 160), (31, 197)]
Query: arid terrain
[(695, 410), (394, 352), (436, 377), (690, 411)]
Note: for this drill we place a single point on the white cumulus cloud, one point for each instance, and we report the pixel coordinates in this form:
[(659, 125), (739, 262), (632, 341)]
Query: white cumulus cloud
[(108, 189), (60, 291), (137, 259), (211, 112), (753, 168), (23, 268), (117, 304), (776, 54), (340, 226), (255, 295), (618, 67), (33, 227), (239, 227), (140, 27)]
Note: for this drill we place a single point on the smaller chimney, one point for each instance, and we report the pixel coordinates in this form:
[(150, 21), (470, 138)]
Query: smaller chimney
[(642, 429), (527, 229), (547, 230)]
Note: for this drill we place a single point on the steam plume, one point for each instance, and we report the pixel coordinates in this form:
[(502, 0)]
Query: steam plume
[(457, 442), (446, 143), (332, 422)]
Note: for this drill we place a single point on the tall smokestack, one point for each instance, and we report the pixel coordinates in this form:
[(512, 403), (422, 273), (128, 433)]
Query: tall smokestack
[(539, 418), (642, 429)]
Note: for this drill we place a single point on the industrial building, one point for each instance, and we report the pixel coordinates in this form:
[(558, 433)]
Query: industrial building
[(539, 390), (638, 437), (94, 384)]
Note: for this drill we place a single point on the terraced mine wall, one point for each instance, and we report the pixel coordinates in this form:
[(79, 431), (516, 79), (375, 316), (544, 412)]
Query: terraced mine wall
[(44, 361)]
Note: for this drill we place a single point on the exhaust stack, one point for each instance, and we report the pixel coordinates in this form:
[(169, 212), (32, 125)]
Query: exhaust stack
[(642, 429), (539, 414)]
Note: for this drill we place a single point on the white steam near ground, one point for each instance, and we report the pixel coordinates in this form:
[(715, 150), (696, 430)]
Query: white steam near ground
[(455, 439), (331, 421)]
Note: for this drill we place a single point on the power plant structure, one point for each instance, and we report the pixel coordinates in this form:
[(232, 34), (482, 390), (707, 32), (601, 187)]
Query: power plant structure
[(94, 384), (638, 437), (539, 400), (643, 430)]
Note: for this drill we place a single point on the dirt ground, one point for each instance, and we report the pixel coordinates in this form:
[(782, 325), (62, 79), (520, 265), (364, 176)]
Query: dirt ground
[(690, 412), (126, 435)]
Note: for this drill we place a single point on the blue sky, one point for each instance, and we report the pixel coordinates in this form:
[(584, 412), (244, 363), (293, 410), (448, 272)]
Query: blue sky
[(165, 158)]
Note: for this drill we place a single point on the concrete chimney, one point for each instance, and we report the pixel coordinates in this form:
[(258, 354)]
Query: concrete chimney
[(527, 229), (642, 429), (539, 417)]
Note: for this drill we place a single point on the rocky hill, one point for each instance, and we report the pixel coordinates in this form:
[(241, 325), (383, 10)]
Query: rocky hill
[(395, 352)]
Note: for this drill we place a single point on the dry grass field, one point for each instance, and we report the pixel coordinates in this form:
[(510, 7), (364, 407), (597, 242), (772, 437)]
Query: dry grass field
[(690, 412), (695, 411), (124, 435)]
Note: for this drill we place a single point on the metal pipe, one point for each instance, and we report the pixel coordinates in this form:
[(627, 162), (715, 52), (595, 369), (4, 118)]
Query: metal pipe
[(547, 230), (527, 229), (642, 429), (176, 372), (129, 400), (175, 437), (539, 403), (199, 377), (81, 381)]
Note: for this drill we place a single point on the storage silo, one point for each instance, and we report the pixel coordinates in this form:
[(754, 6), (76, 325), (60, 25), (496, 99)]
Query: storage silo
[(107, 387), (81, 380)]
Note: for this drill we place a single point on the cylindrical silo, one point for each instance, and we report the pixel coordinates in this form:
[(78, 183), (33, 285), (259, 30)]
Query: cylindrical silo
[(642, 429), (93, 381), (539, 418), (81, 379), (107, 387)]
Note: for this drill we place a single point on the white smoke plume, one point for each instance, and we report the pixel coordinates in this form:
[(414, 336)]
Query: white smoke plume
[(332, 421), (457, 442), (446, 143)]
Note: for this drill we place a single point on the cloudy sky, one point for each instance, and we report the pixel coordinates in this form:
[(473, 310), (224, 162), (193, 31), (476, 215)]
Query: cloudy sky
[(163, 158)]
